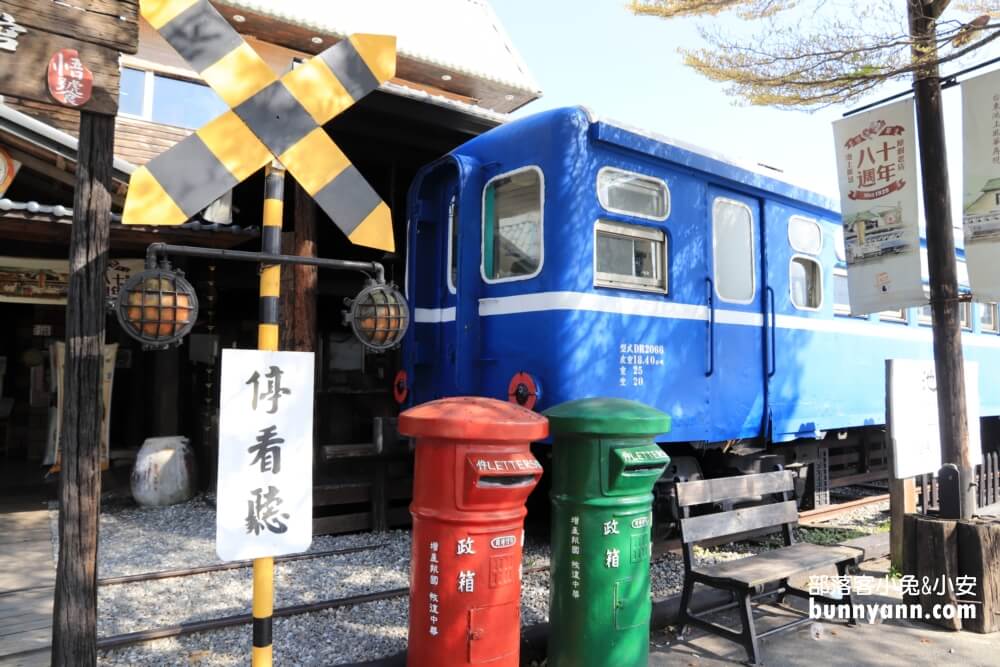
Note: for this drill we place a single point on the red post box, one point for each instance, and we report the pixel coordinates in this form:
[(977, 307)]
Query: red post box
[(474, 471)]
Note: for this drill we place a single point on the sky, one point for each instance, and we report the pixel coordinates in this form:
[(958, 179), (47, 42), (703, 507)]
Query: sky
[(625, 67)]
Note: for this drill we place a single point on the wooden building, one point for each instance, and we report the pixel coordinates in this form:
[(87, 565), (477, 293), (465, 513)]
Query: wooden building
[(457, 76)]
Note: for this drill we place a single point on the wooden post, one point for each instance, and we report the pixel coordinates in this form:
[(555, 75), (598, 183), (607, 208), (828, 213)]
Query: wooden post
[(933, 560), (902, 501), (948, 363), (74, 623), (902, 492), (979, 558), (303, 322)]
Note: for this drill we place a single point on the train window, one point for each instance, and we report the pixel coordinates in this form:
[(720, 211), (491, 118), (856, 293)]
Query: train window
[(629, 257), (805, 235), (893, 315), (924, 315), (988, 318), (732, 246), (965, 314), (838, 244), (841, 295), (633, 194), (512, 226), (805, 283)]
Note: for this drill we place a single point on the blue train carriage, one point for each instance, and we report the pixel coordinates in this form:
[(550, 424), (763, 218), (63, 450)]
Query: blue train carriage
[(561, 256)]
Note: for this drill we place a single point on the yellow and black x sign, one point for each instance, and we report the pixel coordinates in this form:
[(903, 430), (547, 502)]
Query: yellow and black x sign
[(268, 118)]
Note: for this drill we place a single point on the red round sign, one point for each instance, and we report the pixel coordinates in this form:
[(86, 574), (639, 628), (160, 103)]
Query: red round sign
[(70, 82)]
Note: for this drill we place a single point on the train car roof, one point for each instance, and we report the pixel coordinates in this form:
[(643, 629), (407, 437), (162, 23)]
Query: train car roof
[(702, 159)]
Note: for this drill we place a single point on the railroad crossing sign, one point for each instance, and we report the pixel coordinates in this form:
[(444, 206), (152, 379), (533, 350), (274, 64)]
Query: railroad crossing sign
[(268, 118)]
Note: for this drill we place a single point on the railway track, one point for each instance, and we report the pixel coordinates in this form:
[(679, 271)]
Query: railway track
[(807, 518), (206, 569)]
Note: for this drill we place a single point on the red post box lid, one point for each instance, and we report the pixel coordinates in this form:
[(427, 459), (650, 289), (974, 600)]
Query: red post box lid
[(473, 418)]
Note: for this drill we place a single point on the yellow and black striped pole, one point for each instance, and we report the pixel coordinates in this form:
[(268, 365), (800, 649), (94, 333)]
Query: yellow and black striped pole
[(267, 340)]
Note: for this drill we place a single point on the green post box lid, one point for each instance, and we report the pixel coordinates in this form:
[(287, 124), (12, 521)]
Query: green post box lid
[(606, 416)]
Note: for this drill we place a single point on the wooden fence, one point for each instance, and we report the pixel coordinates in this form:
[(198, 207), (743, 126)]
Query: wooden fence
[(987, 476)]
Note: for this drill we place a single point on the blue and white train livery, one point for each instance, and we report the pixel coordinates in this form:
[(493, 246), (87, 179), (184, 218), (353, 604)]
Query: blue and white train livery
[(560, 256)]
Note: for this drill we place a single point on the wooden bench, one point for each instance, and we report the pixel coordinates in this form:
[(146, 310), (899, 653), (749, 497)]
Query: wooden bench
[(750, 577)]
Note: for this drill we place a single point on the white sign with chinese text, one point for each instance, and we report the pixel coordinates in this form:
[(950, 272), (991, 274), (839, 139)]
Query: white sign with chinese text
[(877, 171), (981, 183), (264, 505), (913, 416)]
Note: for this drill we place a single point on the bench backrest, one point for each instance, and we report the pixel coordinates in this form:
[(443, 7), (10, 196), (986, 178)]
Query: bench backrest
[(721, 524)]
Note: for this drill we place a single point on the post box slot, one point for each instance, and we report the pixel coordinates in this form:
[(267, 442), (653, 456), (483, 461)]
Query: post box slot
[(494, 481), (642, 467)]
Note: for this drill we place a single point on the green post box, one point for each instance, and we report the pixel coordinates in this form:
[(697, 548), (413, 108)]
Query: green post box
[(604, 464)]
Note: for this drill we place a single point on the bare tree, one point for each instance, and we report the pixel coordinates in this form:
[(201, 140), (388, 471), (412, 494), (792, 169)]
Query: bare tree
[(800, 53), (797, 53)]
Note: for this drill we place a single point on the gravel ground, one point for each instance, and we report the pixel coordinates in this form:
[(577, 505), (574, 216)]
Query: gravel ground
[(136, 540)]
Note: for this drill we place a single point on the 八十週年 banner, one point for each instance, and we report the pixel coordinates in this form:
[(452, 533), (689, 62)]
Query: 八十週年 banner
[(878, 176), (981, 183)]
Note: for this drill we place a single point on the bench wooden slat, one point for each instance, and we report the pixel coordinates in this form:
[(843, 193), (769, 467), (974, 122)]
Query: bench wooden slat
[(726, 488), (779, 564), (708, 526)]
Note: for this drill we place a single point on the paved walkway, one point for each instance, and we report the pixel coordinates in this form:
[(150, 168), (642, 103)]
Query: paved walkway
[(886, 644), (27, 578)]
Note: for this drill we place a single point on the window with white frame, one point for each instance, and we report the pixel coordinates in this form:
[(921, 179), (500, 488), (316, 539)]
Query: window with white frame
[(841, 294), (805, 283), (893, 315), (839, 249), (633, 194), (733, 250), (512, 226), (168, 100), (629, 257), (805, 235), (988, 321)]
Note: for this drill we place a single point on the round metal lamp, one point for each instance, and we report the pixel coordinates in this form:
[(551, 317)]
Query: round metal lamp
[(379, 316), (157, 307)]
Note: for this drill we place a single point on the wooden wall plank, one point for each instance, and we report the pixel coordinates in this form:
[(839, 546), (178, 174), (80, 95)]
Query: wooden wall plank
[(108, 23), (24, 73)]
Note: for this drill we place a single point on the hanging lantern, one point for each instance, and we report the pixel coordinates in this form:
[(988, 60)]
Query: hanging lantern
[(157, 307), (379, 316)]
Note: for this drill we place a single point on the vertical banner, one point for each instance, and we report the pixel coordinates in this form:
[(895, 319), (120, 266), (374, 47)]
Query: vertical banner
[(264, 505), (981, 183), (877, 171)]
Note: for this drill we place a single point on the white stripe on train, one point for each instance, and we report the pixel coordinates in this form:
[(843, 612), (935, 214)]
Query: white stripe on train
[(548, 301)]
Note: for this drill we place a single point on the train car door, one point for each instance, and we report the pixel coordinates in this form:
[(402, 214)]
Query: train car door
[(431, 281), (735, 341)]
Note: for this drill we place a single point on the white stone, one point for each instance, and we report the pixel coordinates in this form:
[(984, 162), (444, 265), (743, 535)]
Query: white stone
[(164, 472)]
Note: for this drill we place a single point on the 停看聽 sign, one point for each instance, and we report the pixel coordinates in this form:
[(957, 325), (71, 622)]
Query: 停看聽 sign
[(33, 34), (981, 183), (877, 172), (264, 505)]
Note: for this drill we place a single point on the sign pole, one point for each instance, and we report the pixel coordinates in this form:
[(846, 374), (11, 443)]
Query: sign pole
[(267, 340), (946, 320)]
